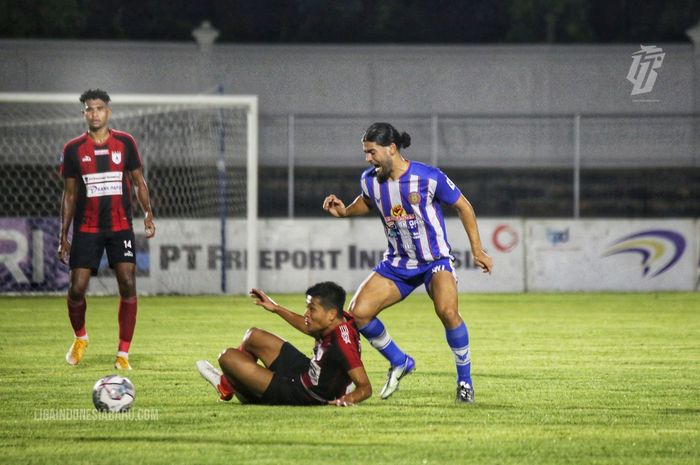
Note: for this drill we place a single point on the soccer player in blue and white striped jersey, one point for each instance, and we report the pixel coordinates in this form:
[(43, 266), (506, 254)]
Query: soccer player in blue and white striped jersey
[(408, 196)]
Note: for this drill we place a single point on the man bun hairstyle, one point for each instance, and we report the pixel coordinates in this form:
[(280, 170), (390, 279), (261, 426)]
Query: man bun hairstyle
[(94, 94), (330, 295), (385, 134)]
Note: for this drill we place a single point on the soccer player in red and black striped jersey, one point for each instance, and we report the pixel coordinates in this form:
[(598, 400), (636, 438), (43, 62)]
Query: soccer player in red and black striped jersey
[(289, 377), (99, 169)]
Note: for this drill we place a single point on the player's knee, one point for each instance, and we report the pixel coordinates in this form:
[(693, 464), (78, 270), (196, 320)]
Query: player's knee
[(361, 320), (76, 292), (251, 334), (226, 357), (127, 286), (361, 314), (450, 317)]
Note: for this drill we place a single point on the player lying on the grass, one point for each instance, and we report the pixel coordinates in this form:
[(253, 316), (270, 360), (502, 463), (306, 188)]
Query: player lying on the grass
[(288, 377)]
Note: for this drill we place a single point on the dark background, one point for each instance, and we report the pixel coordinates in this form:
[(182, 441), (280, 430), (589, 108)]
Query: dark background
[(356, 21)]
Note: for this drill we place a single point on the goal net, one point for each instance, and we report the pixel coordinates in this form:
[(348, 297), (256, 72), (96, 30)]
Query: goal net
[(200, 162)]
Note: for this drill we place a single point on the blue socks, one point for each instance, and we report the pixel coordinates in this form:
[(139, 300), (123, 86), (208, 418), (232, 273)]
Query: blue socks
[(377, 336), (458, 340)]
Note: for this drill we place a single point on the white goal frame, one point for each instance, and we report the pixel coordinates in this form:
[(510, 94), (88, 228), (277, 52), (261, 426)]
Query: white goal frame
[(248, 102)]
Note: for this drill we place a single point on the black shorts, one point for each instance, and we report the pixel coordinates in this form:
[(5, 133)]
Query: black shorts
[(285, 387), (87, 248)]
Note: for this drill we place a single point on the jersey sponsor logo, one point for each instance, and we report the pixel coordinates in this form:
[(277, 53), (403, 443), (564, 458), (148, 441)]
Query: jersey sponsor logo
[(438, 268), (345, 334), (102, 152), (398, 214), (397, 211), (103, 189), (108, 176), (86, 159), (116, 157), (414, 198), (103, 184), (314, 368)]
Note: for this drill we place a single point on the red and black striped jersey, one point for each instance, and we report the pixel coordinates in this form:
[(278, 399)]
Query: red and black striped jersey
[(334, 355), (104, 182)]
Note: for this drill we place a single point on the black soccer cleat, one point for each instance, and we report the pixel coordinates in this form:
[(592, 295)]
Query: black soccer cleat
[(465, 394)]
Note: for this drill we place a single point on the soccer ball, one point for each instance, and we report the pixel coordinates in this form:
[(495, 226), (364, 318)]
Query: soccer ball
[(113, 393)]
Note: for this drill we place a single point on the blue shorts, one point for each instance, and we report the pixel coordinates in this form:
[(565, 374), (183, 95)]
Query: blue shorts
[(407, 280)]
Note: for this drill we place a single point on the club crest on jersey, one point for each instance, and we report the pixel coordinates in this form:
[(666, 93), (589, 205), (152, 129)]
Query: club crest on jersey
[(397, 211), (116, 157), (414, 198)]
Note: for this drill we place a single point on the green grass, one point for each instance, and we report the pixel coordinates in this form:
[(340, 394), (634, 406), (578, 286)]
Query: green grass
[(564, 378)]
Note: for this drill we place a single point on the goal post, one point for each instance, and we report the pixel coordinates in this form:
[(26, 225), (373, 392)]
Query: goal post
[(200, 155)]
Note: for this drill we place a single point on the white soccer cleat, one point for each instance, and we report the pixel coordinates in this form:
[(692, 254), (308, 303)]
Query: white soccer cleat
[(213, 377), (394, 376)]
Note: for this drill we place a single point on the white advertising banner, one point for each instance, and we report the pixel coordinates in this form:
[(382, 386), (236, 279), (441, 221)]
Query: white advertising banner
[(607, 255), (185, 256)]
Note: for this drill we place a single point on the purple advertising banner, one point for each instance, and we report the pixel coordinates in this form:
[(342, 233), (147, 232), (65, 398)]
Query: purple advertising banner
[(28, 259)]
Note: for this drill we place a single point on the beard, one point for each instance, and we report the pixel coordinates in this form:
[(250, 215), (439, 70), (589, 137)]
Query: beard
[(383, 173)]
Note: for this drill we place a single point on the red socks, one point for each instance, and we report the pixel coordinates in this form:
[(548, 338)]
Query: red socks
[(127, 322), (76, 314), (225, 388)]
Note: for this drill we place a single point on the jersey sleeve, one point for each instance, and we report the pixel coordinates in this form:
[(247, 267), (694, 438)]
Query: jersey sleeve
[(69, 166), (445, 191), (348, 348), (363, 186), (133, 159)]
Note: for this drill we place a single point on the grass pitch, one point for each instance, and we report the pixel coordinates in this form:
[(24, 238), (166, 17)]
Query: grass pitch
[(564, 378)]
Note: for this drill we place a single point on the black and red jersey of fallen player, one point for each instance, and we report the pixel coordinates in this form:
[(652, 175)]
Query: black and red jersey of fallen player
[(334, 355), (104, 183)]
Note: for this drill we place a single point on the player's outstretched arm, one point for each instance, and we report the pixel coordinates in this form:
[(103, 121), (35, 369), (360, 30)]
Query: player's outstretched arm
[(363, 389), (262, 300), (337, 208), (70, 189), (466, 214), (144, 199)]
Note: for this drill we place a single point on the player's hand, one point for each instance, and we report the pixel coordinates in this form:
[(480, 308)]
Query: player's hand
[(63, 249), (340, 402), (149, 226), (334, 206), (483, 261), (262, 300)]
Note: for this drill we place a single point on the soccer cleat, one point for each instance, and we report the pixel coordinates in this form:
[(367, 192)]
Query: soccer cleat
[(465, 393), (213, 376), (394, 376), (122, 363), (76, 351)]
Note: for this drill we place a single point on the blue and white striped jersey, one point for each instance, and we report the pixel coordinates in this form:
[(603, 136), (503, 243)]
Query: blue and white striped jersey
[(410, 211)]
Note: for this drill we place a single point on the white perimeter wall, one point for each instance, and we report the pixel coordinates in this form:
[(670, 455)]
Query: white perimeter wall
[(529, 255)]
